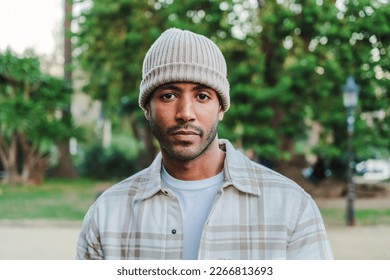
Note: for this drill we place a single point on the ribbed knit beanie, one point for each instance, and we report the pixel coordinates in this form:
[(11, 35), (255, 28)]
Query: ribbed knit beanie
[(183, 56)]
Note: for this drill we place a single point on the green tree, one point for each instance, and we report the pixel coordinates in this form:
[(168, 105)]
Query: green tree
[(29, 102), (109, 42), (368, 60), (112, 40), (287, 61), (310, 48), (65, 167)]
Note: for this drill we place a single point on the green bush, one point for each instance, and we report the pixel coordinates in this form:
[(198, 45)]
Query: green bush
[(107, 164)]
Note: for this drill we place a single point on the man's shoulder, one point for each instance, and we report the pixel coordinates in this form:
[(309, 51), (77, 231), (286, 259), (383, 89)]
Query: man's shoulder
[(266, 178), (131, 185), (273, 176)]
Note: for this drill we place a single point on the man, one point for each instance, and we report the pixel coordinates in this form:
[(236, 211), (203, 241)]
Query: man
[(200, 198)]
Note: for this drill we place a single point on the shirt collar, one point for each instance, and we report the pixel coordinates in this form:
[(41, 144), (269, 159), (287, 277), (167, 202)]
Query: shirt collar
[(150, 180), (238, 172)]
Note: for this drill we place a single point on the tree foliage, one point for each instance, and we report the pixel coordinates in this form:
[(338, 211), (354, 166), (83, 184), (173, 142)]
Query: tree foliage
[(348, 39), (29, 101), (287, 62)]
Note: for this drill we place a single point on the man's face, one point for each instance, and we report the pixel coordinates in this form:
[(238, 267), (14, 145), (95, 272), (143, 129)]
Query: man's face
[(184, 119)]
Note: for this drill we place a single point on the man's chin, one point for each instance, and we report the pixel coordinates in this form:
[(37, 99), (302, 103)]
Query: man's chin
[(183, 154)]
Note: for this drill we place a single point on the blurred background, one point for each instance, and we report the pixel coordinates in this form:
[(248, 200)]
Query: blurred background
[(309, 83)]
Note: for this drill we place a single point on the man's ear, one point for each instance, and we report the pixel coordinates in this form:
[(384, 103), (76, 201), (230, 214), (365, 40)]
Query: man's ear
[(220, 113), (147, 112)]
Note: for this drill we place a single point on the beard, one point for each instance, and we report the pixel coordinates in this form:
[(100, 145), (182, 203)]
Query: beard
[(184, 150)]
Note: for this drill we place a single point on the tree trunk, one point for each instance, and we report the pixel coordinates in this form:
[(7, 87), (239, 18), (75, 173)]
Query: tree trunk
[(38, 170), (145, 135), (65, 168), (150, 147), (27, 152), (11, 165)]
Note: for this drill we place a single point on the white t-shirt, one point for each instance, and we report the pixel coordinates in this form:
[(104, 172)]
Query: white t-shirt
[(195, 198)]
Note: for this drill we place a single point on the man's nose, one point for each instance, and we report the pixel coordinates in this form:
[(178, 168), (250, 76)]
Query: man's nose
[(185, 111)]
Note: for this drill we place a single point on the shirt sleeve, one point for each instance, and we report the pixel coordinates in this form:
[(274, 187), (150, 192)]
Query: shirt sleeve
[(89, 245), (309, 240)]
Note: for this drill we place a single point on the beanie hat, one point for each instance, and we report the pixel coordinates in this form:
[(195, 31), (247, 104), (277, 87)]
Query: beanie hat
[(183, 56)]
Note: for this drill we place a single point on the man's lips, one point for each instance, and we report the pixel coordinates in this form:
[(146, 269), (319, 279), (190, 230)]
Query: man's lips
[(185, 132)]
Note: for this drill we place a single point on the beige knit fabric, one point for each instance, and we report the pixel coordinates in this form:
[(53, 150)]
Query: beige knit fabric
[(183, 56)]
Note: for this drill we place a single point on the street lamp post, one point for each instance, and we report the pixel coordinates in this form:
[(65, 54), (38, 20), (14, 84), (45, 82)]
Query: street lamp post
[(350, 99)]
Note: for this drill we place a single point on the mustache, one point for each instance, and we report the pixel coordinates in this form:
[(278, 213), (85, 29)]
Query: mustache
[(178, 127)]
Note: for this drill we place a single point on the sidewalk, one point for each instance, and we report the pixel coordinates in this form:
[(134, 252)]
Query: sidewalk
[(360, 243), (38, 240), (42, 240)]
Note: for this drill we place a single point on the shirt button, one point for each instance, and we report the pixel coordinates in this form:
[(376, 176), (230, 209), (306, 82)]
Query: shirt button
[(173, 231)]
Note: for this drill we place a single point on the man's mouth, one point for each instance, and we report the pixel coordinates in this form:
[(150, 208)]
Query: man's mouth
[(185, 132)]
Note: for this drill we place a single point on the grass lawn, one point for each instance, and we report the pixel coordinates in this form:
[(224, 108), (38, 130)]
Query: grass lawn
[(56, 199), (59, 199), (364, 217)]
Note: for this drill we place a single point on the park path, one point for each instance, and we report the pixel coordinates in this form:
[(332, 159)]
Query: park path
[(56, 240), (40, 241)]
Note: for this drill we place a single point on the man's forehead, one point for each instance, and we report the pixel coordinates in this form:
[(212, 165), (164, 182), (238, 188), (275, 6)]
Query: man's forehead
[(178, 85)]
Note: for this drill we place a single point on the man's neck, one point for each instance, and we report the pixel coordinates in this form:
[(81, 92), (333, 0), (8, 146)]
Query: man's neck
[(207, 165)]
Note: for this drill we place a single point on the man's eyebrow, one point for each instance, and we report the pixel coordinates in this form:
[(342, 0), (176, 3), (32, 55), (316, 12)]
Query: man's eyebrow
[(200, 86), (172, 86), (169, 86)]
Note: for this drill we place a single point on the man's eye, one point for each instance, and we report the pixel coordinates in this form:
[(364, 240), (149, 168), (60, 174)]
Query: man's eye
[(167, 96), (202, 96)]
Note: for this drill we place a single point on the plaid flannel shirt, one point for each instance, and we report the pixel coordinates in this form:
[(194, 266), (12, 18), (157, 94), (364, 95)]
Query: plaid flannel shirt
[(258, 214)]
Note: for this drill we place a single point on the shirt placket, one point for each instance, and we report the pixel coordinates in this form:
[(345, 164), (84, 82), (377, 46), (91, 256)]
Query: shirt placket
[(174, 229), (204, 250)]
